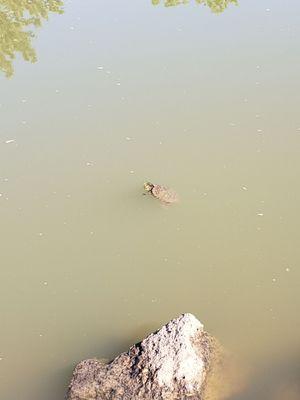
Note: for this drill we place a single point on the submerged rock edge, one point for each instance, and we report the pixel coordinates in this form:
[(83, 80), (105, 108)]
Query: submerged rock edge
[(171, 363)]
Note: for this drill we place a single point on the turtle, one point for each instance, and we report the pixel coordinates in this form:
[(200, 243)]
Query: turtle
[(162, 193)]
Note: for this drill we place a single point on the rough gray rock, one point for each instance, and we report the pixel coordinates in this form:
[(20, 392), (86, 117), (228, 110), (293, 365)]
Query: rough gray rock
[(172, 363)]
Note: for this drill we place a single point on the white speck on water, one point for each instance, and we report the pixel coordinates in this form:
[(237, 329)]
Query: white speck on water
[(160, 143), (257, 83), (72, 28), (259, 131), (132, 172), (257, 116), (154, 300), (108, 72), (258, 67), (9, 141), (100, 67), (287, 269), (274, 279), (24, 122), (118, 83), (56, 91), (23, 100), (165, 260), (244, 188), (68, 196), (41, 234), (88, 164), (204, 194), (92, 232), (1, 194), (40, 335), (128, 138), (232, 123), (5, 179), (268, 9), (45, 283), (260, 214)]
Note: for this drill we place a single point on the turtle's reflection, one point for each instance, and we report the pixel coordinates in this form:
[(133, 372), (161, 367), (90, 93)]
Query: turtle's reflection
[(16, 18)]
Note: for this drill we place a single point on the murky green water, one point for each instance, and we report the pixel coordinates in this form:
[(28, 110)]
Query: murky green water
[(125, 92)]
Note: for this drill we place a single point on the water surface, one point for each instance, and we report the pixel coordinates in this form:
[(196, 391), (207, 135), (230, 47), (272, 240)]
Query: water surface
[(124, 92)]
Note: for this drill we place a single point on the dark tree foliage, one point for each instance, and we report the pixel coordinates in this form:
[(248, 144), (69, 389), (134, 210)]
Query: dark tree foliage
[(16, 18)]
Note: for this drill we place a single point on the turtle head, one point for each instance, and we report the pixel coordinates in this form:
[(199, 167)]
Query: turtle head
[(148, 186)]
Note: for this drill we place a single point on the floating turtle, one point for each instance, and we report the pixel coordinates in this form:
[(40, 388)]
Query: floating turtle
[(162, 193)]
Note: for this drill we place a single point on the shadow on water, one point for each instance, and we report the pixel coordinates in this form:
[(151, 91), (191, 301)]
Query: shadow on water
[(16, 17), (216, 6), (279, 381)]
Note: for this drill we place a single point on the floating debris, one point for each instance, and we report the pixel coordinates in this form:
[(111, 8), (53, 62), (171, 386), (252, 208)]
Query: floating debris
[(10, 141)]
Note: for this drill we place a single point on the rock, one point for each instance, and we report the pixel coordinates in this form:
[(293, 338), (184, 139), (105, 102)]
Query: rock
[(172, 363)]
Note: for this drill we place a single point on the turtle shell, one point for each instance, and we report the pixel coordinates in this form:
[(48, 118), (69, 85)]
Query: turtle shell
[(164, 194)]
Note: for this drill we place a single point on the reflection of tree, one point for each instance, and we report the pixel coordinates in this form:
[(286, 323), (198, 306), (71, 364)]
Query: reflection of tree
[(216, 6), (15, 17)]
